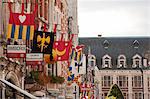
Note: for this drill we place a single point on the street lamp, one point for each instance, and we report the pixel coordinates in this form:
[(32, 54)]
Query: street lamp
[(142, 82)]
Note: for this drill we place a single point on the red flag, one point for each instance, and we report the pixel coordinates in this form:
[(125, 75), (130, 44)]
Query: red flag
[(55, 28), (22, 18), (62, 49), (21, 25), (79, 48)]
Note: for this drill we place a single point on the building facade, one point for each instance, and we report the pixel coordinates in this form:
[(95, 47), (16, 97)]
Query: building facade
[(73, 20), (123, 61), (55, 14)]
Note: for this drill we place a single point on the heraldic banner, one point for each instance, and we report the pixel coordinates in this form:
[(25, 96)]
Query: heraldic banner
[(62, 49), (21, 25), (43, 42)]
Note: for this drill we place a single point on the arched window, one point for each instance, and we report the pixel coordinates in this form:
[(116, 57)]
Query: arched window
[(121, 61), (137, 61), (106, 61)]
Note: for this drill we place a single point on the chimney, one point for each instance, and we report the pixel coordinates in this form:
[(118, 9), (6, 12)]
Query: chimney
[(99, 35), (145, 62)]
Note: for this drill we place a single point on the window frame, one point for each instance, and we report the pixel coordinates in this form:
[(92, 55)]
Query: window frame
[(136, 82), (124, 80), (137, 59), (107, 81), (121, 58), (106, 58)]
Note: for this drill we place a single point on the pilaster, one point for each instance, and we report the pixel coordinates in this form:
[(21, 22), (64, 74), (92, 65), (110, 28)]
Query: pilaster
[(130, 86), (99, 76), (145, 85), (114, 78)]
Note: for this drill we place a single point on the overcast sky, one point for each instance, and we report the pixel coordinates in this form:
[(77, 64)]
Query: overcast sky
[(114, 18)]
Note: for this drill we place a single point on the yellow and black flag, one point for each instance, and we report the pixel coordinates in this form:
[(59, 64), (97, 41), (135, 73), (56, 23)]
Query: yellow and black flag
[(43, 42)]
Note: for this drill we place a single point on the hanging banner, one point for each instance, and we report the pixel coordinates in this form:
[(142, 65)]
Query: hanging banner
[(34, 58), (62, 49), (85, 87), (43, 42), (21, 25), (16, 51), (70, 75)]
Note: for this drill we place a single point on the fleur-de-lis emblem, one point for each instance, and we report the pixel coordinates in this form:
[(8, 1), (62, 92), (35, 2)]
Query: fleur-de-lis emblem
[(42, 41)]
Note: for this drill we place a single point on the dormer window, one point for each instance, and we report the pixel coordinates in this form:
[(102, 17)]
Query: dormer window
[(106, 61), (106, 44), (136, 44), (121, 61), (137, 61), (92, 60)]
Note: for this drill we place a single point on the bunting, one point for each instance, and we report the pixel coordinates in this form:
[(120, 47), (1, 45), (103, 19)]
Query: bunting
[(55, 28), (77, 56), (77, 53), (21, 25), (70, 75), (43, 43)]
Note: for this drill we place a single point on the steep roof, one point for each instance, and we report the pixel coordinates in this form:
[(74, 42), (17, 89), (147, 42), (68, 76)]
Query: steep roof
[(114, 46)]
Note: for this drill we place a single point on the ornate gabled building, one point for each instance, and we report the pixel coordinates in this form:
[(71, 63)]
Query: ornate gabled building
[(124, 61)]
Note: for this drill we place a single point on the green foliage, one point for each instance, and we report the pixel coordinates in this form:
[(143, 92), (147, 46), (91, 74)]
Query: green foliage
[(40, 78), (116, 92), (57, 79), (35, 75)]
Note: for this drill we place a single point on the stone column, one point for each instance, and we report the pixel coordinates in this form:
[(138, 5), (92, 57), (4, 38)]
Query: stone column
[(129, 86), (145, 85), (100, 84), (114, 78)]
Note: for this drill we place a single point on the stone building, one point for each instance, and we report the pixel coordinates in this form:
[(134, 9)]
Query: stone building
[(123, 61), (55, 14), (73, 20)]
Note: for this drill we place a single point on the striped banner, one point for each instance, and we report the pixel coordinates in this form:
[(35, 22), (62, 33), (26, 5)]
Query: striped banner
[(24, 32)]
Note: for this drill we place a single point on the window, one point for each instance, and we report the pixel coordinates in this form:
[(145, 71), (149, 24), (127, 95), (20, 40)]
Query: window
[(137, 81), (122, 81), (104, 95), (137, 62), (92, 60), (121, 61), (50, 69), (107, 81), (149, 95), (136, 44), (125, 95), (137, 95), (106, 44), (106, 61)]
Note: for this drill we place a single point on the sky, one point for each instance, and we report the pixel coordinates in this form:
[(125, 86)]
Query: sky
[(113, 18)]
